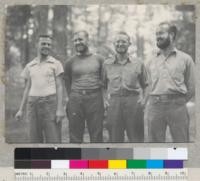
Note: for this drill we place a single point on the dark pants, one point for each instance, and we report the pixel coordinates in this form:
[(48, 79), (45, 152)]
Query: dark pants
[(172, 113), (125, 114), (85, 106), (42, 116)]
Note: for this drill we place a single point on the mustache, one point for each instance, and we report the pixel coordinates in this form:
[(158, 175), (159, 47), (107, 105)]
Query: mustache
[(159, 39), (80, 44)]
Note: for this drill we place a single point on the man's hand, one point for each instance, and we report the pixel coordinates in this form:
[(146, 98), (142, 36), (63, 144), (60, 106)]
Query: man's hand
[(19, 115), (106, 101), (141, 101), (59, 116), (106, 104)]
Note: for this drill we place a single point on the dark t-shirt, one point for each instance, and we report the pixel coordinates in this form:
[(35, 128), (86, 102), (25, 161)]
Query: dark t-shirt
[(83, 72)]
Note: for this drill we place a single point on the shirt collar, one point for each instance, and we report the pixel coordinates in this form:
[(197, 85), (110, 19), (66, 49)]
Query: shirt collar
[(127, 60), (49, 59), (173, 51)]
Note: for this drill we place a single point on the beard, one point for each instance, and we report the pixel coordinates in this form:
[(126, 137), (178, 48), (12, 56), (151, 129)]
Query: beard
[(81, 48), (163, 43)]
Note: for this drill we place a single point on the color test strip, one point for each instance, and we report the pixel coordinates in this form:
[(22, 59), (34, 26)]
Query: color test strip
[(177, 154), (101, 153), (116, 164), (136, 164), (41, 164), (47, 153), (173, 163), (98, 164), (155, 164), (78, 164), (158, 153), (103, 164), (60, 164), (141, 153), (23, 164)]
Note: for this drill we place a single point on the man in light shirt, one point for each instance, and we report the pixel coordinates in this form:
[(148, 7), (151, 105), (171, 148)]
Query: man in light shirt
[(171, 79), (125, 81), (43, 95)]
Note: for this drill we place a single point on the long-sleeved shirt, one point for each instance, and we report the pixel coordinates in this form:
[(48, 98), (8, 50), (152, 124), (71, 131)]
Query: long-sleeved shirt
[(131, 75), (173, 74)]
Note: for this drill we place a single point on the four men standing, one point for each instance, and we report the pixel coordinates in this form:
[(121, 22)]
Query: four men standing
[(123, 79)]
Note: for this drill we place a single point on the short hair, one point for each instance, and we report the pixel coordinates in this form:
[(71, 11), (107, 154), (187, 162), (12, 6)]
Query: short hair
[(82, 31), (172, 28), (124, 33)]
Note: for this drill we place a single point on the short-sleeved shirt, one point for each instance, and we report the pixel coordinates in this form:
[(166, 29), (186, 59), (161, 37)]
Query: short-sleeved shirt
[(42, 76), (84, 72), (131, 75), (173, 74)]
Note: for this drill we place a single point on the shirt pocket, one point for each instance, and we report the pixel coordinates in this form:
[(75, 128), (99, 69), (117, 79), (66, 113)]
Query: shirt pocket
[(154, 73), (177, 73), (114, 78), (49, 75), (130, 77)]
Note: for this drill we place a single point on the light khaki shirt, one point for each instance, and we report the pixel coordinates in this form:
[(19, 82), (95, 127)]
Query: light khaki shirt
[(131, 75), (42, 75), (172, 75)]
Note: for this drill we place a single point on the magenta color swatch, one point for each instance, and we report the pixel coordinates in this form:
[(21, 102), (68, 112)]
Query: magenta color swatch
[(77, 164)]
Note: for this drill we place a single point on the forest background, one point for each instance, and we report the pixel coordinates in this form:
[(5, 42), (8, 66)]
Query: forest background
[(25, 23)]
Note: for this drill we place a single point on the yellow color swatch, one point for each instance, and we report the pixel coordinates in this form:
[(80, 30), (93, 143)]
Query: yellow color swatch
[(116, 164)]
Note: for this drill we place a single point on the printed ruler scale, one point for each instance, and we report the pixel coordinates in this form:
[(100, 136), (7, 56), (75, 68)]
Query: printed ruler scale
[(100, 164), (101, 175)]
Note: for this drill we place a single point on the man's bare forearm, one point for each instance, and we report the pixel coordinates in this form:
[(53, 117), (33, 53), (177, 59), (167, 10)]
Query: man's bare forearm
[(25, 94), (59, 93)]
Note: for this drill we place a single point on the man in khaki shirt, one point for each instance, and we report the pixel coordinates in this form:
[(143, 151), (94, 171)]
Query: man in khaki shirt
[(125, 78), (171, 79), (43, 94)]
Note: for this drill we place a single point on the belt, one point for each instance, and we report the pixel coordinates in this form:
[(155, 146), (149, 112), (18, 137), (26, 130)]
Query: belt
[(52, 95), (86, 91), (124, 92), (165, 97)]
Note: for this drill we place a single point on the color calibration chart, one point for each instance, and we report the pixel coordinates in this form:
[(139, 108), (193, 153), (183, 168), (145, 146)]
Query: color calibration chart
[(50, 164)]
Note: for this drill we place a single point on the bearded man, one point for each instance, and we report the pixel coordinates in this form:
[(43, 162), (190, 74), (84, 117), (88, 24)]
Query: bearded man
[(171, 80)]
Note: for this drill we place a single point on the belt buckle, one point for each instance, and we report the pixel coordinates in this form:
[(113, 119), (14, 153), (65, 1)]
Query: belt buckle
[(166, 97), (121, 92), (83, 92)]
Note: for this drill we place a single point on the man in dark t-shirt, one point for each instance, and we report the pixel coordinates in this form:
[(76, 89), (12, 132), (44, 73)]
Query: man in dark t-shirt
[(84, 88)]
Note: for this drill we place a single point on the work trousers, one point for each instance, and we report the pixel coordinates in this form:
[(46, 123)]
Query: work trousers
[(85, 106), (125, 114), (41, 112), (168, 112)]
